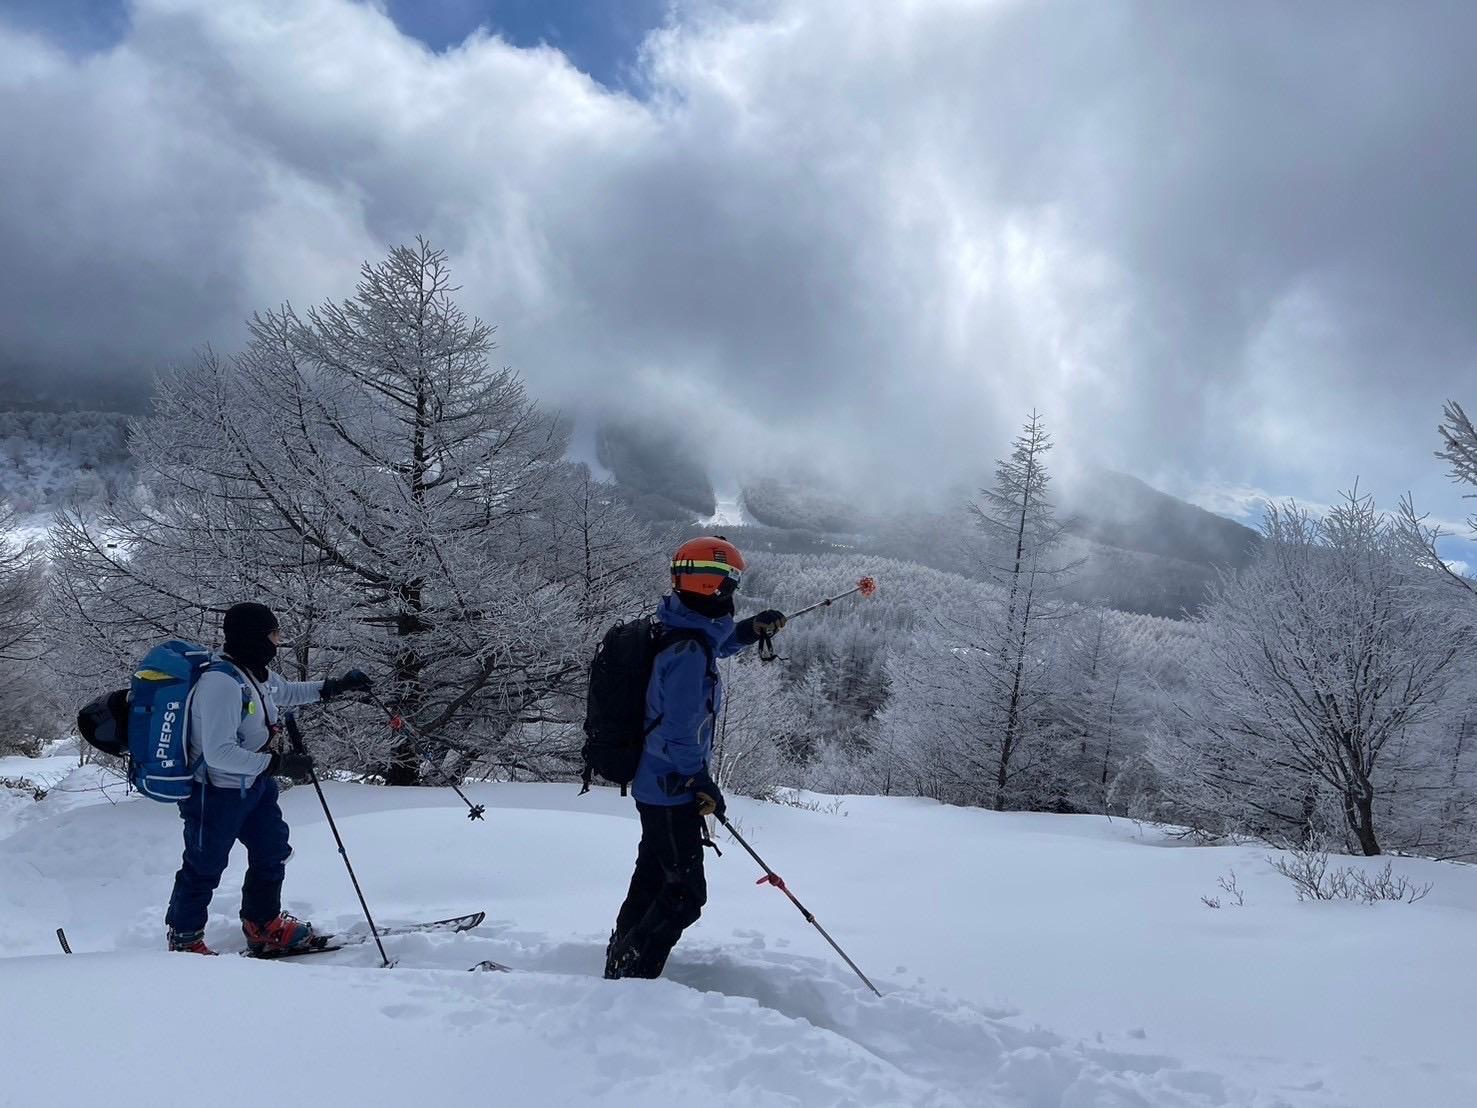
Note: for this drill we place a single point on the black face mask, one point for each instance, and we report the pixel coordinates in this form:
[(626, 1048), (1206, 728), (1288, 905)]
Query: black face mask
[(714, 607), (255, 652), (248, 628)]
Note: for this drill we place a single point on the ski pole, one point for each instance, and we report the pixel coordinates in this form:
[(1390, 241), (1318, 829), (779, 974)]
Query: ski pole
[(398, 724), (772, 878), (867, 586), (296, 735)]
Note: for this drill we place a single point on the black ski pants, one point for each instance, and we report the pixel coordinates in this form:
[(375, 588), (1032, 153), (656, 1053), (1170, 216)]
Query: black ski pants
[(668, 889)]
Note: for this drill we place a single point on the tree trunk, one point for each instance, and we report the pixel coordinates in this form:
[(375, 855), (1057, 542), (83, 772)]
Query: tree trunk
[(1359, 809), (1012, 730), (405, 762), (405, 765)]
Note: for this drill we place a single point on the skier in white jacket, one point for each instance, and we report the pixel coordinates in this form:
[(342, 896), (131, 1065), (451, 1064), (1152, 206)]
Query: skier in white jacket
[(235, 711)]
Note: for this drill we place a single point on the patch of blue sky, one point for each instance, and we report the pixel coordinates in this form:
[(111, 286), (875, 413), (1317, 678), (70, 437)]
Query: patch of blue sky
[(603, 39), (80, 26)]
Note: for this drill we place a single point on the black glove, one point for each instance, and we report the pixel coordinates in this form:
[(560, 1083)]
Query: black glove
[(293, 764), (356, 680), (768, 622), (710, 800), (763, 626)]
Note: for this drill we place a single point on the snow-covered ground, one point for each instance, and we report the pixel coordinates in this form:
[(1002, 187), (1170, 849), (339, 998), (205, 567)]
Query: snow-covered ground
[(1027, 960)]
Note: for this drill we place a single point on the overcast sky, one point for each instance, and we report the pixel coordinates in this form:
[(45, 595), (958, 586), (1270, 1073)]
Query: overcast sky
[(1229, 248)]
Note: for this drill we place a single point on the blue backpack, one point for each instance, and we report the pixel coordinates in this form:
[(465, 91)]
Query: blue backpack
[(159, 717)]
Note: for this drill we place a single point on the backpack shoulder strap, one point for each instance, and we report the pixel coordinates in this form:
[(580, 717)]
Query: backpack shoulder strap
[(225, 665), (664, 637), (671, 636), (667, 636)]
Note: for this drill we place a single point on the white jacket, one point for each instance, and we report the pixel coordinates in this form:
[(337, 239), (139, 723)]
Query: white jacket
[(229, 728)]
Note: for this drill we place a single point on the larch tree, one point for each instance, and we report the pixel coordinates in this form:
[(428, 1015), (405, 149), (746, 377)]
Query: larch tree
[(404, 504), (1023, 540)]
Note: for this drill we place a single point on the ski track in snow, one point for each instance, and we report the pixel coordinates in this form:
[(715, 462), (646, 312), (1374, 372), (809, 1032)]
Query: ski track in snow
[(761, 1027), (952, 1052), (741, 1022), (776, 1026)]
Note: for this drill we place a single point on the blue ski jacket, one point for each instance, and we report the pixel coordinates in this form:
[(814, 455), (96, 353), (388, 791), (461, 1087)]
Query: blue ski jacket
[(683, 699)]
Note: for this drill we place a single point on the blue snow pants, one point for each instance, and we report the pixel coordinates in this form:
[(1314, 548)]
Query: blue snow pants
[(215, 820)]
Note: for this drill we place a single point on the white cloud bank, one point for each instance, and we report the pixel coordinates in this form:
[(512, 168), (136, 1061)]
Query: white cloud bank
[(868, 235)]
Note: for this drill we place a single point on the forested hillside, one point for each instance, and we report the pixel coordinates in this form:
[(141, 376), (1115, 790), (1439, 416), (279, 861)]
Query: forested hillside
[(415, 512), (51, 458)]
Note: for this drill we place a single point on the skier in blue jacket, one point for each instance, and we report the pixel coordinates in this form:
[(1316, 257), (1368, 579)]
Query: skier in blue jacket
[(234, 712), (674, 789)]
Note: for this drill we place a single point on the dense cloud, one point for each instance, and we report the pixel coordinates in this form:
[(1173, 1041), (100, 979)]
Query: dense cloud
[(1218, 245)]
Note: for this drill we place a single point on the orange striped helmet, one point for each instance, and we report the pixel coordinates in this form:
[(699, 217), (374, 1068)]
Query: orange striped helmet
[(707, 566)]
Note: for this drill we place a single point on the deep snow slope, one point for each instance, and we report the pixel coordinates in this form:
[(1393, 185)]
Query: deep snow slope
[(1027, 960)]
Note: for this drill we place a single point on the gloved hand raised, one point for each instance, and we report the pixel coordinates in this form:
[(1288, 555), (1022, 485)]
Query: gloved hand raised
[(293, 764), (356, 680), (760, 627), (769, 621), (710, 800)]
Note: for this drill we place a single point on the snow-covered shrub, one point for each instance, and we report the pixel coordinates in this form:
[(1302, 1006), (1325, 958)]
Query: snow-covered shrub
[(1315, 878)]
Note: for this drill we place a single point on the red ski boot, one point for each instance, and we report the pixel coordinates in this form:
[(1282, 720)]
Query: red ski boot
[(283, 935), (188, 942)]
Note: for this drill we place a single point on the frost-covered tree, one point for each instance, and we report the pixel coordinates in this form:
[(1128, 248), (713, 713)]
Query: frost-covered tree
[(1459, 451), (22, 574), (1101, 703), (1011, 655), (1322, 669), (21, 571), (760, 738), (402, 503)]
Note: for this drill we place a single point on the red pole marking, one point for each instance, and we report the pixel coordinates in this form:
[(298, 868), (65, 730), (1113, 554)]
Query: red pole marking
[(396, 723)]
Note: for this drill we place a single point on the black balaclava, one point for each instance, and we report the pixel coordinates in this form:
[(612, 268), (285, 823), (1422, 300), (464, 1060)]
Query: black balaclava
[(247, 627), (714, 607)]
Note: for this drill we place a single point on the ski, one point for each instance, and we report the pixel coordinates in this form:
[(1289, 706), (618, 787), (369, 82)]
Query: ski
[(314, 947), (322, 944), (487, 965), (453, 923), (339, 940)]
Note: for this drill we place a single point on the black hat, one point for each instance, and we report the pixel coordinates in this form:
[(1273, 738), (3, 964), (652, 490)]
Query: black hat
[(246, 621)]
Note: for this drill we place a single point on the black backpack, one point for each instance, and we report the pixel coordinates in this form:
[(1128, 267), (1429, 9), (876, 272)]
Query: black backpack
[(103, 722), (615, 711)]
